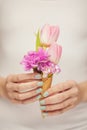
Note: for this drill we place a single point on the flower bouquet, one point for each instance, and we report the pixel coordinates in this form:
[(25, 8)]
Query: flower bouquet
[(45, 58)]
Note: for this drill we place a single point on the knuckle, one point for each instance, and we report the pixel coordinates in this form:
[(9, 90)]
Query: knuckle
[(9, 77), (65, 85), (70, 82), (73, 82), (19, 88), (75, 90), (59, 87), (7, 86), (17, 78), (62, 86)]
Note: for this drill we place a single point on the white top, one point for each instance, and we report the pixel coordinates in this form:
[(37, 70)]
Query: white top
[(19, 20)]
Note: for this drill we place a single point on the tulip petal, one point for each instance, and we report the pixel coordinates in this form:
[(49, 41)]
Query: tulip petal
[(45, 32), (49, 34), (55, 52), (54, 33), (59, 52)]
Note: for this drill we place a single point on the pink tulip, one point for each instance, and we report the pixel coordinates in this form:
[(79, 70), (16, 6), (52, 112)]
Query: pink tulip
[(49, 34), (55, 52)]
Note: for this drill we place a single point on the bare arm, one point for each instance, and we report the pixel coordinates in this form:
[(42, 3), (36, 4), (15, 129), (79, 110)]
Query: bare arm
[(83, 88), (2, 85)]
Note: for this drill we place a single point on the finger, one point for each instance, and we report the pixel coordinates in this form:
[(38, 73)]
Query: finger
[(24, 87), (26, 101), (23, 96), (16, 101), (59, 106), (31, 100), (60, 97), (57, 89), (23, 77), (54, 113)]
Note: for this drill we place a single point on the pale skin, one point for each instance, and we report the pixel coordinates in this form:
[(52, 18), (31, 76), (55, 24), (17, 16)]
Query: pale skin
[(63, 97), (26, 88), (21, 88)]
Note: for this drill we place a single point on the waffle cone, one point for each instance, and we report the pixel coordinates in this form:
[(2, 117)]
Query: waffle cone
[(46, 83)]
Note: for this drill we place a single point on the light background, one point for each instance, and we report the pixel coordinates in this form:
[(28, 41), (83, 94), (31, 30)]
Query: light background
[(19, 21)]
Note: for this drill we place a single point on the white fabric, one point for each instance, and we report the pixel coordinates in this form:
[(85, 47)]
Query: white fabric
[(19, 21)]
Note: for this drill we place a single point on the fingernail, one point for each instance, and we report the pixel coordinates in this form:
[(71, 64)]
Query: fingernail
[(42, 107), (38, 76), (38, 97), (39, 90), (46, 94), (40, 83), (42, 102), (44, 114)]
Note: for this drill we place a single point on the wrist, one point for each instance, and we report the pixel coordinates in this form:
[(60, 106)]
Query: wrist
[(2, 86), (83, 91)]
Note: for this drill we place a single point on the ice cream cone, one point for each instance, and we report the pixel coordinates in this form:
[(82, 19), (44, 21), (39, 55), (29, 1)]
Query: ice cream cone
[(46, 83)]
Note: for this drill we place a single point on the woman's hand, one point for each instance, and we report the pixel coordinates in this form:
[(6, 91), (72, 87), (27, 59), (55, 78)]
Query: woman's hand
[(22, 88), (61, 98)]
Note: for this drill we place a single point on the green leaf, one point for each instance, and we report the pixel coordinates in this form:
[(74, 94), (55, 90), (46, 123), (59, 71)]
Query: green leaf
[(38, 44)]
